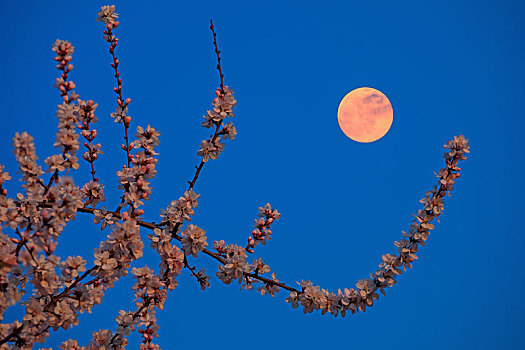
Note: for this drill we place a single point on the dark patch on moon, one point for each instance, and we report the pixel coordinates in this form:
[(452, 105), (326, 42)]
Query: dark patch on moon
[(381, 109), (375, 98)]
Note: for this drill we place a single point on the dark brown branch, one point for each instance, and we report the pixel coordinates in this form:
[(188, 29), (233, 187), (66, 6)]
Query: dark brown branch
[(23, 242), (192, 269), (135, 315), (218, 57), (56, 298), (199, 168)]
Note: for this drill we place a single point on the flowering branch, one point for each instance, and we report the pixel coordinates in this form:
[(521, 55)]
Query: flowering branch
[(262, 231), (314, 298), (67, 113), (109, 16), (93, 191), (223, 105)]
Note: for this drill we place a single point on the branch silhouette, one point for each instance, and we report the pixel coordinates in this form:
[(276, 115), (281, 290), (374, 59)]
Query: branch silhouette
[(64, 288)]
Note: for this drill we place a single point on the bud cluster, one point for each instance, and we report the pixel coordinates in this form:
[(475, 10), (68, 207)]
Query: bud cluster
[(64, 50), (262, 231)]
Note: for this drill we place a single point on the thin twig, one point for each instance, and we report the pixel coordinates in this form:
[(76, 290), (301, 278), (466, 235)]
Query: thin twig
[(118, 90), (218, 57)]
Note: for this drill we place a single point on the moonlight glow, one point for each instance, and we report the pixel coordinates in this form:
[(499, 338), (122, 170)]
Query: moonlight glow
[(365, 115)]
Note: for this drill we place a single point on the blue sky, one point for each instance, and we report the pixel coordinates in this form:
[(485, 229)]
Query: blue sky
[(448, 68)]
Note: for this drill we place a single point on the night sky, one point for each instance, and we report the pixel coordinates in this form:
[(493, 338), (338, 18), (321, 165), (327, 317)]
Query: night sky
[(448, 68)]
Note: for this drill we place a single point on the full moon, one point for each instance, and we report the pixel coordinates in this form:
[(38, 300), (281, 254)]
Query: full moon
[(365, 115)]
